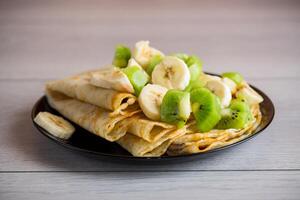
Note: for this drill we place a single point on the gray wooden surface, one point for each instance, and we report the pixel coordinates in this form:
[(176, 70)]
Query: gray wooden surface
[(43, 40)]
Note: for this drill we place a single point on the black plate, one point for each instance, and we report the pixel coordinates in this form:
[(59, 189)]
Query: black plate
[(84, 141)]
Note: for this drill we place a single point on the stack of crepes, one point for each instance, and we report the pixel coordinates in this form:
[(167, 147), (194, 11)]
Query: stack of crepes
[(117, 117), (112, 115)]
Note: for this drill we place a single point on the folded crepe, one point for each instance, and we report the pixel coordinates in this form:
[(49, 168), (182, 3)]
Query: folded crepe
[(151, 131), (142, 148), (92, 118), (79, 87), (134, 132), (147, 138), (193, 142)]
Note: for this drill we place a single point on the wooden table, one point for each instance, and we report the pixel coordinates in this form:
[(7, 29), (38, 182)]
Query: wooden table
[(40, 41)]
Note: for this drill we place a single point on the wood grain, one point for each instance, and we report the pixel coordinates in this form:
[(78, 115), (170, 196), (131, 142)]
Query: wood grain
[(42, 40), (51, 40), (168, 185)]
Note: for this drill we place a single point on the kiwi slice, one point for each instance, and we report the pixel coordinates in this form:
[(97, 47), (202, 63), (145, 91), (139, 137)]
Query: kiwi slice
[(236, 77), (236, 116), (195, 66), (206, 108), (153, 62), (121, 57), (194, 85), (195, 71), (181, 56), (137, 77), (244, 100), (193, 62), (175, 107)]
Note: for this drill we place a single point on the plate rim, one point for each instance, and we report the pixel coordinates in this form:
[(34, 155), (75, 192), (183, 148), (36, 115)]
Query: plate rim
[(131, 157)]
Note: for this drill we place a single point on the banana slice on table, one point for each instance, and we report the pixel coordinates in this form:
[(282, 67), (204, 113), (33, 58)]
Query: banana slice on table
[(251, 96), (219, 88), (150, 100), (55, 125), (142, 53), (171, 73), (112, 78)]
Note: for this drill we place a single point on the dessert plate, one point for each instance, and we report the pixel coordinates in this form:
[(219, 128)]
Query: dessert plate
[(86, 142)]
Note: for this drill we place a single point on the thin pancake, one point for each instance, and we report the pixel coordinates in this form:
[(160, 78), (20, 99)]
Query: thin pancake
[(151, 131), (141, 148), (92, 118), (200, 142), (79, 87)]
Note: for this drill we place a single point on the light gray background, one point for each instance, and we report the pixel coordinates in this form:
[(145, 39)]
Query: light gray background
[(43, 40)]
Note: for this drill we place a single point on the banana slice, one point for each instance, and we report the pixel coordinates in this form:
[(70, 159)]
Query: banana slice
[(251, 96), (112, 78), (206, 77), (150, 100), (231, 84), (132, 62), (171, 73), (220, 89), (142, 53), (55, 125)]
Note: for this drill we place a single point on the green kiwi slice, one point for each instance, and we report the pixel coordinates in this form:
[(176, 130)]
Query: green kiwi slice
[(195, 66), (244, 100), (236, 116), (137, 77), (181, 56), (206, 108), (194, 85), (153, 62), (193, 62), (121, 57), (236, 77), (175, 107)]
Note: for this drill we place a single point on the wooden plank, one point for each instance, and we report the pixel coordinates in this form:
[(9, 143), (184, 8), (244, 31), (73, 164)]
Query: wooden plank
[(24, 149), (44, 41), (258, 185)]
